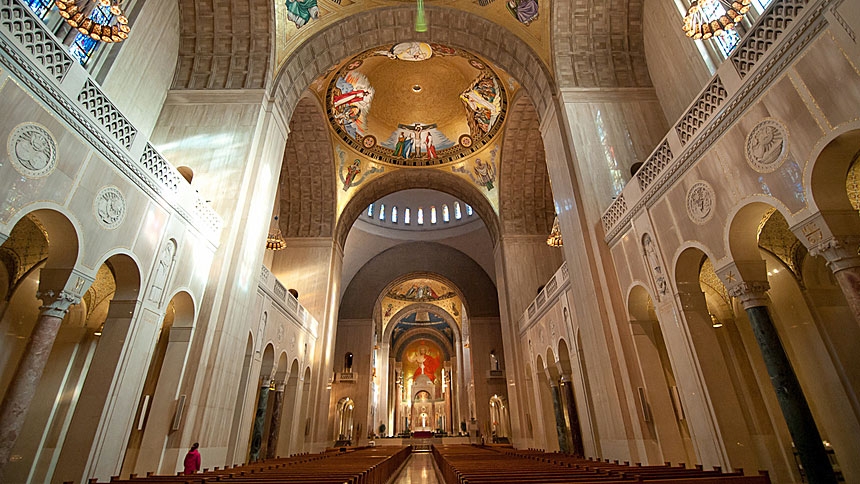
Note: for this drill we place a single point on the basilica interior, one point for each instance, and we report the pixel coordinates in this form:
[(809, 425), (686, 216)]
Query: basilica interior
[(279, 227)]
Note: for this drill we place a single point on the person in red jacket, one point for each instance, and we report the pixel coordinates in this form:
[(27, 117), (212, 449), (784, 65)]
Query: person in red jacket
[(192, 460)]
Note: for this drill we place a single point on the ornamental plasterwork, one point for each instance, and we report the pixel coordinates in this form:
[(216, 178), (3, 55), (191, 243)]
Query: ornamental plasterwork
[(32, 150), (766, 146), (109, 207), (700, 202)]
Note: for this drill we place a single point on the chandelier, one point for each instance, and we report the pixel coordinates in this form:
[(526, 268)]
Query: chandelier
[(79, 17), (708, 18), (554, 239), (275, 240)]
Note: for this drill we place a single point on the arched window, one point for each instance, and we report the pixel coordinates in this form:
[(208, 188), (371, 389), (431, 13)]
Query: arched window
[(469, 210), (394, 215), (457, 213), (370, 210), (446, 217), (382, 212), (432, 215), (420, 216), (347, 362), (406, 216)]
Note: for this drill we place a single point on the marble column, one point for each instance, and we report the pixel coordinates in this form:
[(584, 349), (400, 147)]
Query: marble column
[(275, 426), (560, 426), (16, 402), (792, 402), (577, 447), (259, 424)]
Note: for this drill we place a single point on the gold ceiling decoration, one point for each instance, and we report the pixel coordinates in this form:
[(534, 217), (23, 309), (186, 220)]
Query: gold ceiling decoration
[(101, 20), (416, 104), (712, 18), (554, 239)]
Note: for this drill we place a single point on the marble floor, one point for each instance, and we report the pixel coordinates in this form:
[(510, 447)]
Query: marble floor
[(418, 470)]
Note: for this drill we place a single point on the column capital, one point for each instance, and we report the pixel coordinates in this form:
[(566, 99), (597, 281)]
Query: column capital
[(751, 294), (57, 305), (835, 235), (59, 288)]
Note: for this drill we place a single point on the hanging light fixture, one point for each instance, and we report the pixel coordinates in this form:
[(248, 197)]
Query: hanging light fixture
[(275, 240), (80, 18), (554, 239), (704, 19), (420, 18)]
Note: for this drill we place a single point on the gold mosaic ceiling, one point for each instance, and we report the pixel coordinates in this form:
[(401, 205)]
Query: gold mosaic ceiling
[(415, 104)]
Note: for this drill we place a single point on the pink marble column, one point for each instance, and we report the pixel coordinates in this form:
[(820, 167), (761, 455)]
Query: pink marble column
[(16, 402)]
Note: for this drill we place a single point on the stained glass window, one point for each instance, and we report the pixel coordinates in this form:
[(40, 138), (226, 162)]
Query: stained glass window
[(469, 210), (394, 215), (40, 7), (406, 216), (432, 215), (382, 212), (761, 5), (457, 214), (446, 217), (420, 216), (370, 210)]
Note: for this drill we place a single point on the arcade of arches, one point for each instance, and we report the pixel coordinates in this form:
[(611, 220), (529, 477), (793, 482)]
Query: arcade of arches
[(704, 306)]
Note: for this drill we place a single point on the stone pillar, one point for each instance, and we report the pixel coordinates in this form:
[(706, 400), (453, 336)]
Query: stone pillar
[(16, 402), (560, 426), (794, 407), (275, 427), (259, 423), (577, 447)]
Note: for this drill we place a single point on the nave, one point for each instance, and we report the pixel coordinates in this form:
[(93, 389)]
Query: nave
[(455, 464)]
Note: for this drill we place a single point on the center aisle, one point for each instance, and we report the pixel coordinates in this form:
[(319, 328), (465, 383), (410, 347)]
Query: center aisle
[(418, 470)]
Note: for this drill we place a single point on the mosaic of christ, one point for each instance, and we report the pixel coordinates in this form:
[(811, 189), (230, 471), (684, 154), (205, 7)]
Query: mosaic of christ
[(423, 357)]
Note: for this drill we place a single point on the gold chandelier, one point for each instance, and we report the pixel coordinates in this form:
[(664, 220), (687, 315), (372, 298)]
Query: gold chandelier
[(78, 16), (275, 240), (702, 23), (554, 239)]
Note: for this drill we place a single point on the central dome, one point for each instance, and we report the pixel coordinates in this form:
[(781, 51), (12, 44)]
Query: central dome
[(416, 104)]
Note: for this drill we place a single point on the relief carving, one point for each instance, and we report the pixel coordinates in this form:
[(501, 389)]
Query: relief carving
[(700, 202), (32, 150), (766, 146), (109, 207)]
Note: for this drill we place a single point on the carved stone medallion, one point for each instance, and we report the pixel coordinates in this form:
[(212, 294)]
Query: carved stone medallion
[(109, 207), (32, 150), (766, 146), (700, 202)]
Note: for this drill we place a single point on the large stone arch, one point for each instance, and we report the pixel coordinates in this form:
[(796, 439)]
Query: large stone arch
[(371, 28), (405, 179), (225, 45), (526, 196), (306, 188)]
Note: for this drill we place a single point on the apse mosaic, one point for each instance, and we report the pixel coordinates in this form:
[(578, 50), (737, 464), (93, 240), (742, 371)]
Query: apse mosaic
[(417, 104), (421, 290), (422, 357)]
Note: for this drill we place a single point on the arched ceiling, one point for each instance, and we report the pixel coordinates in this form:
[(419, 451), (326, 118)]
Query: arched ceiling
[(479, 292), (224, 44), (307, 191), (526, 197), (599, 43)]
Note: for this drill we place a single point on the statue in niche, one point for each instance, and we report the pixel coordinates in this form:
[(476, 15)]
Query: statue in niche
[(261, 332), (653, 262), (162, 271), (494, 361)]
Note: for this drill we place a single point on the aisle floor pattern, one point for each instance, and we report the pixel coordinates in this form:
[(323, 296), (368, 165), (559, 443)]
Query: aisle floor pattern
[(418, 470)]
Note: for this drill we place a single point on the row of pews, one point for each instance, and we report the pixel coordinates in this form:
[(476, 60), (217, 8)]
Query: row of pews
[(485, 465), (368, 465)]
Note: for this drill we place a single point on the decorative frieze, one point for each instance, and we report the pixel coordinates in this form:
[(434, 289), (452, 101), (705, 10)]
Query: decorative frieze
[(771, 25), (20, 24), (699, 113), (107, 115), (659, 159)]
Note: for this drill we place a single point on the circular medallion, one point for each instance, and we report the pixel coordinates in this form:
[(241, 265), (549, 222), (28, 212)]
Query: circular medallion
[(766, 146), (700, 202), (465, 141), (32, 150), (368, 141), (109, 207)]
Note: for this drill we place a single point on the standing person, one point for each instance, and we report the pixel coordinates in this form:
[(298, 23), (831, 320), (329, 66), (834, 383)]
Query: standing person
[(192, 460)]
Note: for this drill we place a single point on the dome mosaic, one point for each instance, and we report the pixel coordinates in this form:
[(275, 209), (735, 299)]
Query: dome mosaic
[(416, 104)]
